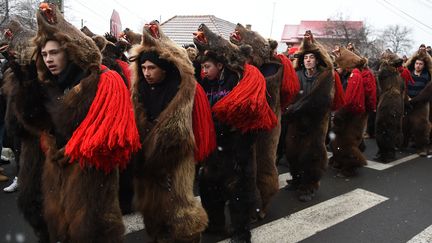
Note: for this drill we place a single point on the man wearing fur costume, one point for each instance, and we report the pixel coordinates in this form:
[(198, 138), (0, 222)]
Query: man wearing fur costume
[(350, 121), (416, 123), (392, 81), (237, 93), (282, 86), (308, 118), (19, 48), (176, 129), (82, 113)]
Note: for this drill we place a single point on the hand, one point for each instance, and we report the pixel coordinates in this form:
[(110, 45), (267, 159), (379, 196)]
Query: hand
[(60, 158), (110, 37)]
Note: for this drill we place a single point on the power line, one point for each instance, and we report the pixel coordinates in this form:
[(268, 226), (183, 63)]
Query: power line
[(127, 9), (97, 14), (426, 3), (418, 21), (410, 20)]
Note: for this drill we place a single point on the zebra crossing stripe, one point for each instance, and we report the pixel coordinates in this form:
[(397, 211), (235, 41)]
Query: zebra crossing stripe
[(309, 221), (134, 222), (381, 166), (424, 237)]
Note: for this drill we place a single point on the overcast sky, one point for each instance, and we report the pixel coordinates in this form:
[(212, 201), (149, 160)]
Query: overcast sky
[(266, 16)]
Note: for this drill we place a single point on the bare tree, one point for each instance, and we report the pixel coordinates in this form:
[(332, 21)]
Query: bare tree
[(341, 31), (22, 10), (396, 38)]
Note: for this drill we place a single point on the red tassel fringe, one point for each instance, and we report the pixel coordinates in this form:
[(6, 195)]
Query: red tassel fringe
[(355, 94), (108, 135), (290, 84), (246, 107), (125, 68), (369, 83), (203, 127), (406, 75), (339, 99)]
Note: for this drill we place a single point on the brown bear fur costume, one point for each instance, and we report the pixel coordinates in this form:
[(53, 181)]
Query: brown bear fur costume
[(390, 108), (416, 125), (132, 37), (308, 124), (165, 168), (263, 57), (229, 175), (30, 199), (79, 204), (19, 37), (348, 126)]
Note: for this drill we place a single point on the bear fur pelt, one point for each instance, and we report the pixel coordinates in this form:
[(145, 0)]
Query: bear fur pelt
[(390, 109), (71, 195), (416, 124), (165, 170), (349, 121), (308, 119), (30, 198), (263, 57)]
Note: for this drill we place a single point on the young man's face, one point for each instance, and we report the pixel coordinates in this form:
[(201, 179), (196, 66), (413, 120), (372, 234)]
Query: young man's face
[(153, 74), (54, 57), (310, 61), (211, 70), (419, 65)]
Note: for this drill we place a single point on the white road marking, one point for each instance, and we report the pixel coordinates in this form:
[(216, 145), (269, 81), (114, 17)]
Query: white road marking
[(424, 237), (133, 222), (381, 166), (309, 221)]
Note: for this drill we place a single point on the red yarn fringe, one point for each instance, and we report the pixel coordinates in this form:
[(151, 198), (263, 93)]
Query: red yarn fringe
[(355, 94), (125, 68), (339, 99), (406, 75), (369, 83), (246, 107), (203, 127), (108, 134), (290, 86)]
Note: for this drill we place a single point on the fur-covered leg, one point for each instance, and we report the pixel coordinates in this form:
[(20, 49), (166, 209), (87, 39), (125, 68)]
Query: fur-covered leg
[(267, 174), (294, 145), (348, 129), (312, 159), (30, 199), (420, 127), (168, 205), (91, 206)]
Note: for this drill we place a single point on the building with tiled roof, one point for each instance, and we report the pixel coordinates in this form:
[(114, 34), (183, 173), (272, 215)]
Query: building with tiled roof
[(293, 34), (180, 28)]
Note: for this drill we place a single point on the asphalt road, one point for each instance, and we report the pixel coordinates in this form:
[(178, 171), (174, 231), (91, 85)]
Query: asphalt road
[(384, 203)]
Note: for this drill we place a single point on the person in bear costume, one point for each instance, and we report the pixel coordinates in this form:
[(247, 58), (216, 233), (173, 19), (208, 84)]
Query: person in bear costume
[(350, 121), (392, 81), (176, 130), (416, 124), (70, 106), (237, 94), (308, 118), (282, 86)]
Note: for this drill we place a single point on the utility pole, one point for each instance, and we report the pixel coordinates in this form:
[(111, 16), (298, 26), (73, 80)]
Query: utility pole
[(271, 27), (7, 9), (6, 17)]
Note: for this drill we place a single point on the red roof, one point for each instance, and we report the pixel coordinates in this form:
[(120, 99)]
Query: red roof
[(294, 33)]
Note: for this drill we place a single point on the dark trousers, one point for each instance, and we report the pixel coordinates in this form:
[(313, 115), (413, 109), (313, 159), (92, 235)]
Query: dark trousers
[(227, 175)]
